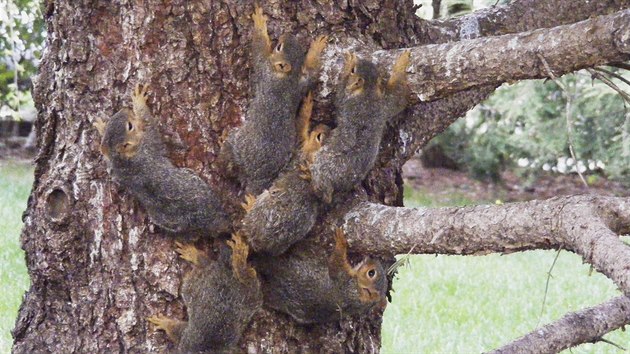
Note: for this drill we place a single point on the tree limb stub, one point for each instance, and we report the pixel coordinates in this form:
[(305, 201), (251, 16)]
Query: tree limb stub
[(440, 70), (588, 325), (518, 16), (587, 225)]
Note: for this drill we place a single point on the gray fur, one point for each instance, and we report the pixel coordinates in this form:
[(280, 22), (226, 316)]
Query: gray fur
[(219, 307), (302, 284), (175, 199), (282, 215), (351, 150), (262, 146)]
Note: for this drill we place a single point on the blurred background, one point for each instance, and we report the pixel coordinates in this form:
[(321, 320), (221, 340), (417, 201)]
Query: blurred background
[(529, 140)]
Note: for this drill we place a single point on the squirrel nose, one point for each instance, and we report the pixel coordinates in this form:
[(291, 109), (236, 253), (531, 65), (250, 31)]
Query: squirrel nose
[(283, 66)]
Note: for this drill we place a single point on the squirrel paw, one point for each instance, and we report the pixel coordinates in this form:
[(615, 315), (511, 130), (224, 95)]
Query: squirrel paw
[(189, 252), (240, 250), (250, 199), (314, 52), (399, 70), (100, 125), (140, 95), (260, 19), (305, 172), (172, 327)]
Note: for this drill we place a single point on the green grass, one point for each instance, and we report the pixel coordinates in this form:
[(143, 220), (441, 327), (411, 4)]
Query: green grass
[(15, 184), (451, 304)]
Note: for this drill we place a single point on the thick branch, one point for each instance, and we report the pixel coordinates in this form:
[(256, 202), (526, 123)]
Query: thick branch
[(443, 69), (518, 16), (585, 326), (582, 224)]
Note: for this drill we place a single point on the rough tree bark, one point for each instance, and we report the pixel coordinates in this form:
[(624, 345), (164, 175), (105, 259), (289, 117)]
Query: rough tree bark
[(97, 266)]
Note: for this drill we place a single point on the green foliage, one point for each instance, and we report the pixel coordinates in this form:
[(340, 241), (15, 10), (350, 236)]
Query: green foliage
[(22, 35), (524, 127)]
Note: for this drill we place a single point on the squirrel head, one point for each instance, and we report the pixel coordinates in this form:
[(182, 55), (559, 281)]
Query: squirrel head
[(122, 134), (287, 56), (372, 281), (358, 76)]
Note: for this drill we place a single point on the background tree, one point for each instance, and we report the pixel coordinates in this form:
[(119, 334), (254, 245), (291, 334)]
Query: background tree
[(98, 268), (21, 37)]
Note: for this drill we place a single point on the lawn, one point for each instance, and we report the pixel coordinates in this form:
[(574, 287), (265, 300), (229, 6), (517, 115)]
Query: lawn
[(443, 304), (15, 184), (451, 304)]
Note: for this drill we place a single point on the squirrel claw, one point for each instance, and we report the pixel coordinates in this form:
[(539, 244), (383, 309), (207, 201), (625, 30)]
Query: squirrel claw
[(100, 125), (140, 95), (314, 52), (250, 199), (172, 327), (399, 70), (158, 320), (320, 43), (260, 20), (240, 251), (305, 172), (189, 253)]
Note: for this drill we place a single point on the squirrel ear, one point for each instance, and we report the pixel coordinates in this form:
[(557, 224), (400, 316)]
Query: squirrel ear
[(100, 125)]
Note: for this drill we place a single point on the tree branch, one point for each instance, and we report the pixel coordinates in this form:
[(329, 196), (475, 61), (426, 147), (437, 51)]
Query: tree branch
[(426, 120), (518, 16), (586, 225), (585, 326), (440, 70)]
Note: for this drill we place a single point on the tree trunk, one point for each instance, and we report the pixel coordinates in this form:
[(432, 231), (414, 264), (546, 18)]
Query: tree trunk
[(98, 267)]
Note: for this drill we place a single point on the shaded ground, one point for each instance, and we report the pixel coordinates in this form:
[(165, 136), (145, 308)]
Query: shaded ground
[(16, 154), (445, 185)]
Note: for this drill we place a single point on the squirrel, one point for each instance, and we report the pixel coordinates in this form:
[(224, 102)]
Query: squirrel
[(312, 289), (220, 297), (286, 212), (176, 199), (364, 104), (258, 150)]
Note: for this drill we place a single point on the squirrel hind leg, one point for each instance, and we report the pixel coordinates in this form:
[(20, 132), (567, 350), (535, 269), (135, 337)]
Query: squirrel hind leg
[(190, 253), (173, 328), (240, 251)]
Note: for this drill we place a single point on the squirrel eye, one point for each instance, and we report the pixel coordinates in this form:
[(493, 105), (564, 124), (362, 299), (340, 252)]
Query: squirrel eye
[(129, 126), (279, 47), (353, 70), (371, 273), (319, 137)]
